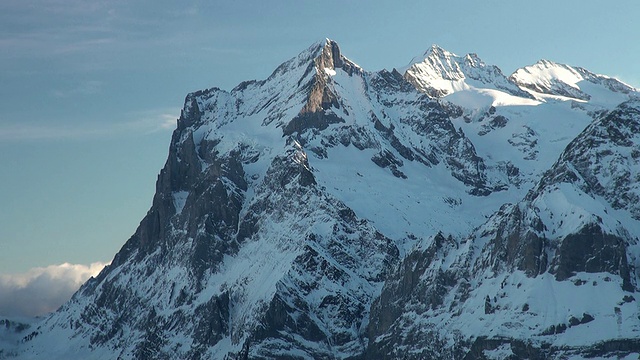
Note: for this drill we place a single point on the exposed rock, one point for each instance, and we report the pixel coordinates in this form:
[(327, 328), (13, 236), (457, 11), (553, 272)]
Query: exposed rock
[(591, 250)]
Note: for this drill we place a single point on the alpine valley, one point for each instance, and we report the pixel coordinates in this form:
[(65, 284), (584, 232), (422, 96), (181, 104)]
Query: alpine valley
[(438, 211)]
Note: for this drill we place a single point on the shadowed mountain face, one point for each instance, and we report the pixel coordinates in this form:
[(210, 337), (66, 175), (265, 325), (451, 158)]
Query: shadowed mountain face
[(328, 212)]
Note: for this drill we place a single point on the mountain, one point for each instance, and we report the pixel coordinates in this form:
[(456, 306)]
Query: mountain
[(439, 72), (550, 78), (443, 210)]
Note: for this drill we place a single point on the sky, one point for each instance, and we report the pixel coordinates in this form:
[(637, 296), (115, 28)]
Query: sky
[(90, 91)]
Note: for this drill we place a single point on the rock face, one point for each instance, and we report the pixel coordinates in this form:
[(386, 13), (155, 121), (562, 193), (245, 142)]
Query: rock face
[(329, 212)]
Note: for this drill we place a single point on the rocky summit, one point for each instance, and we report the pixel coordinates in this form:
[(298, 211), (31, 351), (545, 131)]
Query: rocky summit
[(442, 210)]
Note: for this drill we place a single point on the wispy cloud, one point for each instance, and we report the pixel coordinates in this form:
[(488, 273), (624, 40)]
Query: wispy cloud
[(83, 45), (141, 122), (42, 290), (169, 122), (154, 120), (53, 28), (23, 132), (90, 87)]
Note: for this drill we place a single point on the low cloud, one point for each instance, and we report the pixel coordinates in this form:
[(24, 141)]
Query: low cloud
[(42, 290), (154, 120), (166, 122)]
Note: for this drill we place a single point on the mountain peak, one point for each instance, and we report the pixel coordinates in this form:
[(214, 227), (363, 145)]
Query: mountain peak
[(330, 57), (437, 51), (547, 77), (327, 57), (548, 63), (326, 60), (439, 73)]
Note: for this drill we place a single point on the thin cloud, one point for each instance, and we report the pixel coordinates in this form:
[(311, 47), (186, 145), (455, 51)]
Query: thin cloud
[(151, 121), (42, 290), (20, 132), (191, 10), (80, 46), (169, 122), (85, 88), (142, 122)]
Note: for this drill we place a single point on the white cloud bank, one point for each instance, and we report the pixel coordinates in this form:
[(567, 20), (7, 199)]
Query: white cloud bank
[(42, 290)]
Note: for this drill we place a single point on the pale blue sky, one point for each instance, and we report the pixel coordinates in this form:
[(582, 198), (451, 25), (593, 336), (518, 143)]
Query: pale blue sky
[(89, 90)]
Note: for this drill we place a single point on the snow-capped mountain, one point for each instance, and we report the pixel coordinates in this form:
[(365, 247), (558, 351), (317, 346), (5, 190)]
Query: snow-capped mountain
[(439, 72), (329, 212)]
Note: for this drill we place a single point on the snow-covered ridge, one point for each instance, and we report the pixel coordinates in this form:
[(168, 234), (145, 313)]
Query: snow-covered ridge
[(549, 78), (439, 72)]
